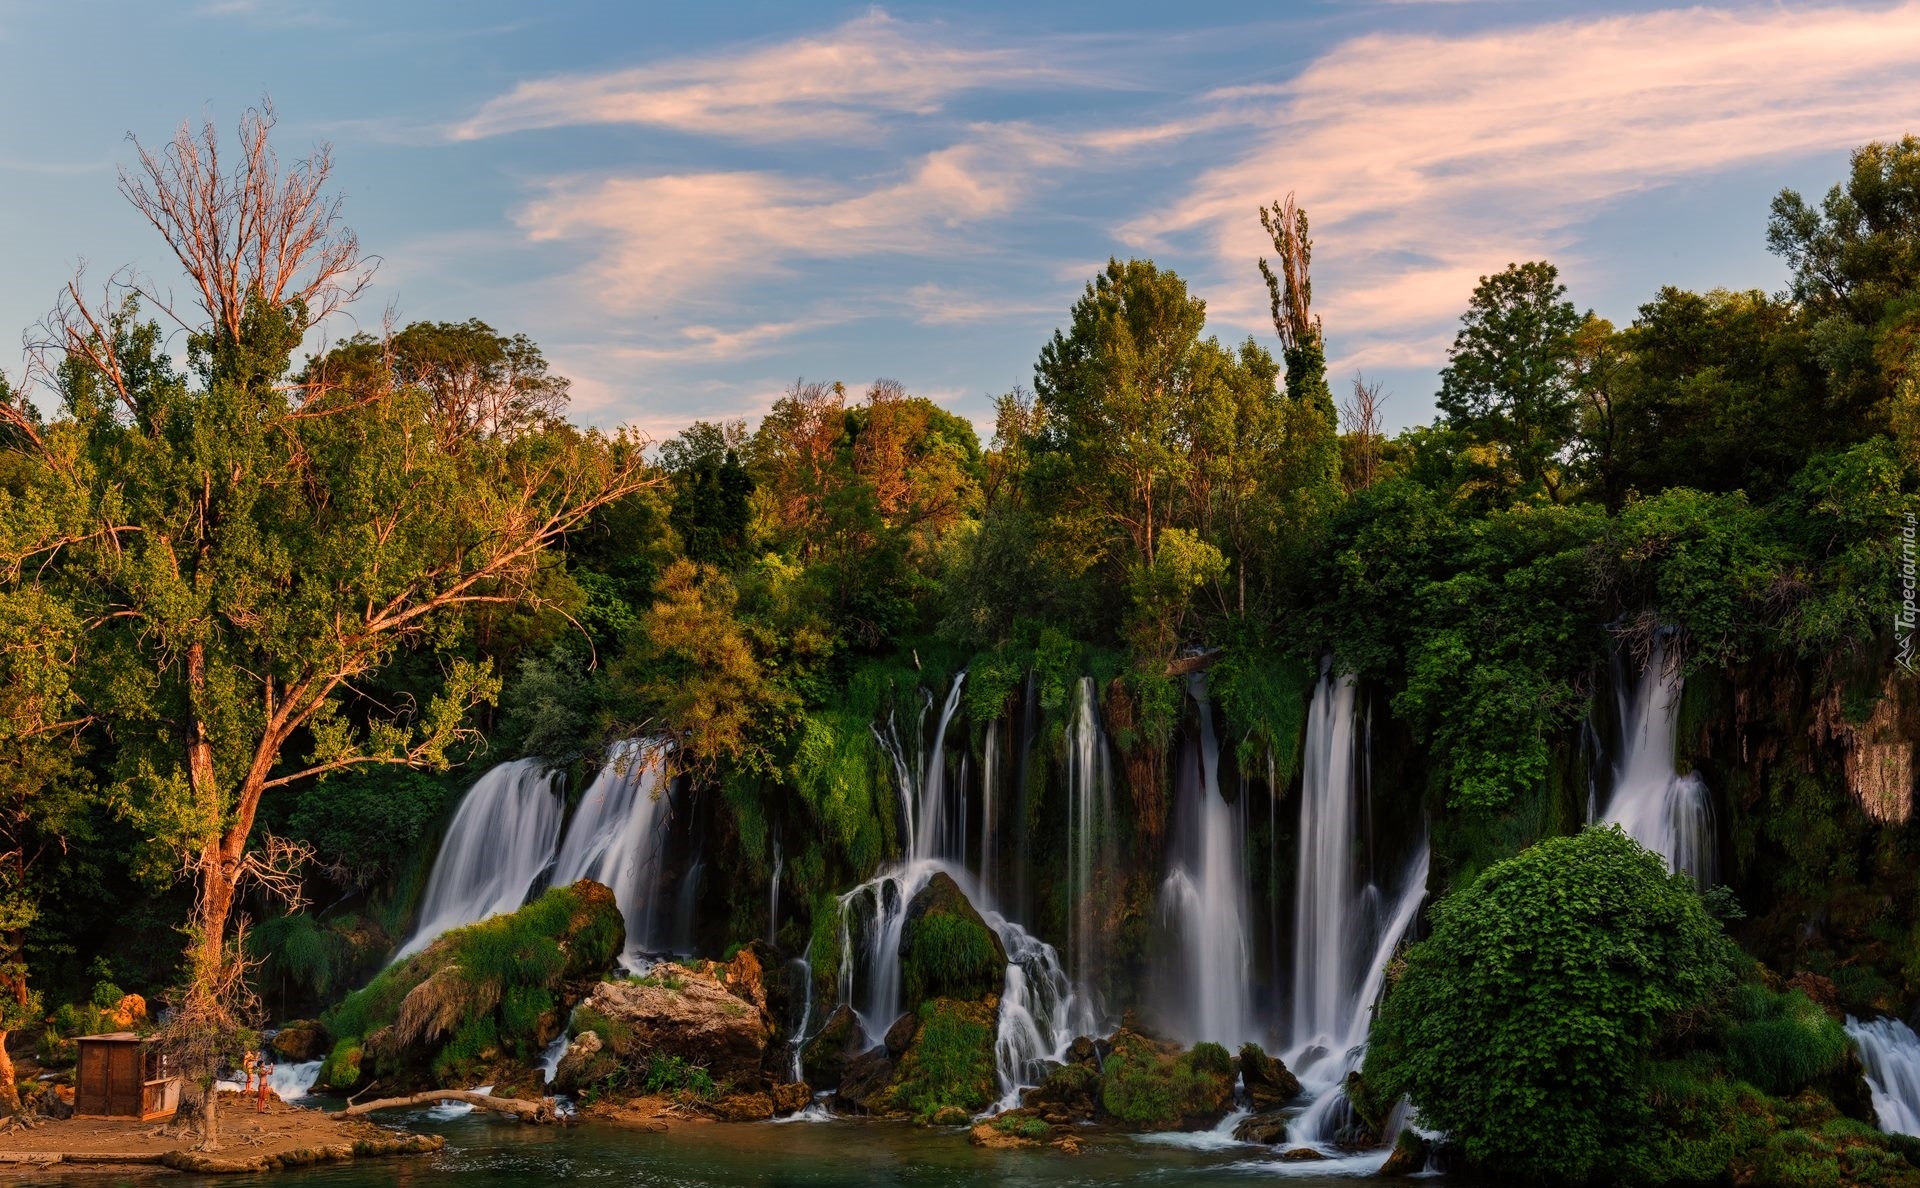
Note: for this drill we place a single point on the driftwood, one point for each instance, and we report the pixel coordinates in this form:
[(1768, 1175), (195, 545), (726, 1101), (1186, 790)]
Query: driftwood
[(527, 1111)]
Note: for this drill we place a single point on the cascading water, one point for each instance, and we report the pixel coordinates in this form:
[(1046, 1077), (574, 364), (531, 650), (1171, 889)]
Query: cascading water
[(773, 895), (1891, 1053), (618, 837), (1090, 846), (1670, 814), (1204, 901), (990, 766), (291, 1082), (1039, 1008), (1342, 939), (501, 838), (1326, 925)]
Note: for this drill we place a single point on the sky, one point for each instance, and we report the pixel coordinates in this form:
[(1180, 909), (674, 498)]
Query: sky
[(691, 206)]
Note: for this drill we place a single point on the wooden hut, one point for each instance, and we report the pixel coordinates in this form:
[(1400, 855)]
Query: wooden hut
[(124, 1076)]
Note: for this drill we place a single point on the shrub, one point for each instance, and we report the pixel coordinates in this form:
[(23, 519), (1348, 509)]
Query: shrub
[(1144, 1088), (1524, 1024), (949, 1065), (1783, 1042)]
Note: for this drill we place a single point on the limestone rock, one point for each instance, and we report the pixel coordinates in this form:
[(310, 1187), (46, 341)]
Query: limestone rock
[(791, 1097), (681, 1013), (1269, 1084), (301, 1040), (825, 1057), (1269, 1128), (1409, 1155)]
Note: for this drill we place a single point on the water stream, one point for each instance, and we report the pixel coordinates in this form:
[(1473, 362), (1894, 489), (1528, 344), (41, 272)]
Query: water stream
[(1669, 813), (501, 838), (1891, 1053)]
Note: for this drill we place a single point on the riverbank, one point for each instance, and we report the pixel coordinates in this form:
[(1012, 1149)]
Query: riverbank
[(278, 1137)]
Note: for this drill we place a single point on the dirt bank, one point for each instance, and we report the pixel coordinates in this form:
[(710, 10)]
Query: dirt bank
[(282, 1136)]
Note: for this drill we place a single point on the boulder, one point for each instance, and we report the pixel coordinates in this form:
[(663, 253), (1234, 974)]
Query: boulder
[(1015, 1128), (1302, 1155), (302, 1040), (945, 1072), (585, 1062), (744, 1107), (1071, 1093), (1269, 1084), (791, 1097), (1409, 1155), (680, 1013), (1150, 1084), (946, 948), (863, 1079), (824, 1058), (1268, 1128), (478, 1003)]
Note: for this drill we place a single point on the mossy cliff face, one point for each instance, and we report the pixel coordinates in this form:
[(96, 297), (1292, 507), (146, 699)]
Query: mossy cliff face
[(482, 998)]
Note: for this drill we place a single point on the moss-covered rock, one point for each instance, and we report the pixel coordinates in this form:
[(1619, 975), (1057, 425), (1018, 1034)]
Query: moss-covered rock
[(946, 948), (479, 1000), (946, 1072), (824, 1058), (677, 1014), (1150, 1085), (1269, 1084), (1071, 1093), (301, 1040)]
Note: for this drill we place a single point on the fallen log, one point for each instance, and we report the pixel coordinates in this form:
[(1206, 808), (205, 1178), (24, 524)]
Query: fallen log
[(527, 1111)]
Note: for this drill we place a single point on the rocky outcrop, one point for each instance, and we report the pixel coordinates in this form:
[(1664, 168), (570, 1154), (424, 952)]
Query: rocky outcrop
[(1269, 1128), (824, 1059), (1409, 1157), (1150, 1084), (480, 1002), (303, 1039), (1071, 1093), (1268, 1083), (946, 948), (675, 1013)]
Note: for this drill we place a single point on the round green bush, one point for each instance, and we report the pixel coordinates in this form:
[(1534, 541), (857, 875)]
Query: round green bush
[(1524, 1025)]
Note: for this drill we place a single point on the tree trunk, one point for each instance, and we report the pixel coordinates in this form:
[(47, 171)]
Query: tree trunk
[(526, 1111), (9, 1092)]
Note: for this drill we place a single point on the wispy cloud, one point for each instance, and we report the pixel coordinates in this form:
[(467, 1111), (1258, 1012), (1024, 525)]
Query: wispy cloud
[(695, 234), (840, 85), (1427, 161)]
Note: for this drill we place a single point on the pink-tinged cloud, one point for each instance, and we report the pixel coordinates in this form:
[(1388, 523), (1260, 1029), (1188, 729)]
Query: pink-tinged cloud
[(1427, 161), (705, 234), (836, 86)]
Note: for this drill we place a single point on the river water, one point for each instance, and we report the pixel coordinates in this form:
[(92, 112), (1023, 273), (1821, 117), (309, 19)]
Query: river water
[(489, 1152)]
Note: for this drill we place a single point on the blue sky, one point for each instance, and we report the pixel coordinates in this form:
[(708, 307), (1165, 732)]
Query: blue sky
[(691, 206)]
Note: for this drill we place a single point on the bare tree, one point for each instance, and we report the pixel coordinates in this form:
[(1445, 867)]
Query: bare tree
[(251, 231), (1360, 417)]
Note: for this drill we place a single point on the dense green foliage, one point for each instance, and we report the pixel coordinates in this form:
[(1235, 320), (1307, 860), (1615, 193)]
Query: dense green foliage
[(1144, 1087), (476, 993), (1523, 1024)]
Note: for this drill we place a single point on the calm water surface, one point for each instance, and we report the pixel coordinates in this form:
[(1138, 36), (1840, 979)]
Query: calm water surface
[(490, 1152)]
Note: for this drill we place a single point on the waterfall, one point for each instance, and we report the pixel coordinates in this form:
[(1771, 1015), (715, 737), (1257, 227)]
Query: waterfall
[(1891, 1053), (501, 838), (1324, 1076), (1326, 911), (291, 1082), (1039, 1005), (1090, 844), (551, 1055), (801, 968), (618, 837), (1205, 900), (773, 897), (990, 811), (1670, 814)]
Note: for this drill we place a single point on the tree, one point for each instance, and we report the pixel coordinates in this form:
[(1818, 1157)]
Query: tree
[(259, 543), (1522, 1025), (1510, 380), (1360, 413), (712, 492), (45, 797)]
